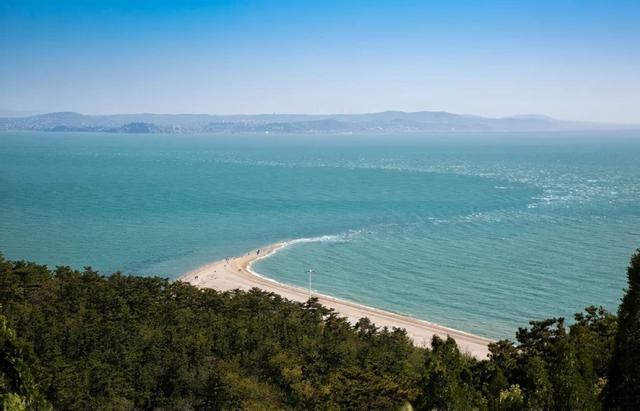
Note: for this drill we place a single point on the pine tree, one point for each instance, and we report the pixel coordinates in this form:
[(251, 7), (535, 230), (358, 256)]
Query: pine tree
[(18, 388), (623, 387), (445, 381)]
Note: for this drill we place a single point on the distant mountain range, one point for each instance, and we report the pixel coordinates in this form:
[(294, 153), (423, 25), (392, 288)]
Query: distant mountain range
[(383, 122)]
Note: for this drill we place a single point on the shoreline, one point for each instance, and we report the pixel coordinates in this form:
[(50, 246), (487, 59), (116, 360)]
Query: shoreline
[(237, 273)]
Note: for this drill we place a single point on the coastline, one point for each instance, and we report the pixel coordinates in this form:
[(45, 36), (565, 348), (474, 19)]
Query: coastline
[(237, 273)]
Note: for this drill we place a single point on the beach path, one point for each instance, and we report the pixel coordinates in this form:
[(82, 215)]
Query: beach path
[(236, 273)]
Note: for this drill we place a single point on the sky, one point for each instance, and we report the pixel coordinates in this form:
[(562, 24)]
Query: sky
[(577, 60)]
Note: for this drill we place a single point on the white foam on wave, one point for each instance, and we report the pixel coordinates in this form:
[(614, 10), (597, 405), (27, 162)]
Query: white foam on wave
[(333, 238), (285, 244)]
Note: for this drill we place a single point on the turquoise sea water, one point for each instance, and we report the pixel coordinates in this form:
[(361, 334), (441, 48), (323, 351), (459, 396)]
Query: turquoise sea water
[(477, 232)]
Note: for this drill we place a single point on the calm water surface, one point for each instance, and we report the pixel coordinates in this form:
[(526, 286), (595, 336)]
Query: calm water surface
[(478, 232)]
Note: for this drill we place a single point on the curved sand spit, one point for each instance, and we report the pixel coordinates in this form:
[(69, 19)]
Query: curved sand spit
[(236, 272)]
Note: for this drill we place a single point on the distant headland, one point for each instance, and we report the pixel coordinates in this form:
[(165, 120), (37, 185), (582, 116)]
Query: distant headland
[(382, 122)]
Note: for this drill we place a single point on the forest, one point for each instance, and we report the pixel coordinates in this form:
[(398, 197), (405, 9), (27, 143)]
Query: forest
[(79, 340)]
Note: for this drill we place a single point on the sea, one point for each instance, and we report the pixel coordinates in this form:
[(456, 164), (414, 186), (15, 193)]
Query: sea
[(482, 232)]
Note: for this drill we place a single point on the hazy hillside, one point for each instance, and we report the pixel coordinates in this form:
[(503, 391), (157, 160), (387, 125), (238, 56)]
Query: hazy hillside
[(384, 122)]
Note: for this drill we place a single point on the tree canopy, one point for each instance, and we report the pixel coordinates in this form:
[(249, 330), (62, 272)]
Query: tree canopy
[(623, 391), (77, 340)]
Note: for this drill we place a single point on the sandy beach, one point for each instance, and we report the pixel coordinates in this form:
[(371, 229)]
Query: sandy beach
[(236, 273)]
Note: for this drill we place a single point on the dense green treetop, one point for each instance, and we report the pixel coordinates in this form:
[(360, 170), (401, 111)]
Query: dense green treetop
[(623, 391), (76, 340)]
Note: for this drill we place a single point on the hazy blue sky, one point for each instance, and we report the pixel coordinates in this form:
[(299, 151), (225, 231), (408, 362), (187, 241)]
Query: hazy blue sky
[(571, 59)]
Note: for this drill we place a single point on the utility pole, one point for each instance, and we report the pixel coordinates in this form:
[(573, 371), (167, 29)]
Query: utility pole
[(310, 271)]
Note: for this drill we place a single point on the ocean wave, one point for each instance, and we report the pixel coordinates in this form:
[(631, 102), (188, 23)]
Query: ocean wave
[(333, 238)]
